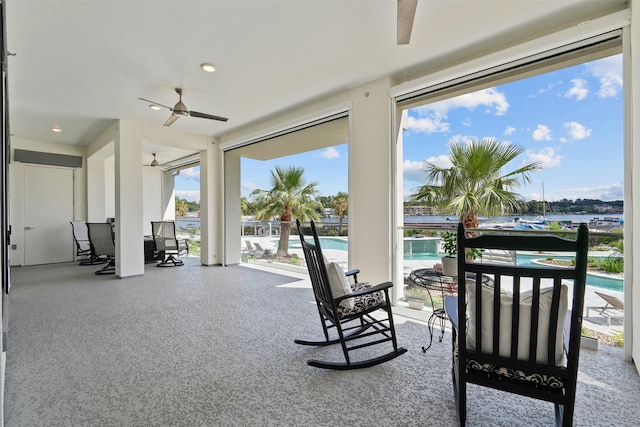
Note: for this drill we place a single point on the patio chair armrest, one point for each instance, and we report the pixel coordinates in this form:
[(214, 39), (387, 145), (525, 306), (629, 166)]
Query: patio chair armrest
[(451, 308), (184, 248)]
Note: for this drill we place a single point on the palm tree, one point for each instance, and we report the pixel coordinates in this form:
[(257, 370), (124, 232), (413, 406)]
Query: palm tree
[(340, 205), (288, 197), (181, 207), (475, 184)]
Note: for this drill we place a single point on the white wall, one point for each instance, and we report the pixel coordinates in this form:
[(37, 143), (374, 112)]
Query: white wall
[(152, 206), (16, 170)]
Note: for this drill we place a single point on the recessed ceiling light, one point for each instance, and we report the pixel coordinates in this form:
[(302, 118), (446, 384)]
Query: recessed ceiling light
[(56, 129), (209, 68), (155, 107)]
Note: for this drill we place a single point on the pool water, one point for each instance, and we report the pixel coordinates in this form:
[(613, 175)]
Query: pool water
[(592, 279), (342, 244)]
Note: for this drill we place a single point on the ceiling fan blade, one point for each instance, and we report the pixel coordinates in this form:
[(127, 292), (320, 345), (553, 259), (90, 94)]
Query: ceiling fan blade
[(207, 116), (171, 119), (156, 103), (406, 13)]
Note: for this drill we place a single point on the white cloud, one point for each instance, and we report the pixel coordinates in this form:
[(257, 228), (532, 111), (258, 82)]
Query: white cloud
[(248, 186), (413, 171), (442, 161), (330, 153), (427, 124), (191, 174), (433, 117), (496, 102), (190, 195), (609, 72), (548, 88), (542, 133), (602, 192), (547, 157), (576, 130), (510, 130), (579, 89)]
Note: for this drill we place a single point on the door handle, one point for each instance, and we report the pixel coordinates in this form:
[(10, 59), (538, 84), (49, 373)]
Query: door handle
[(29, 228)]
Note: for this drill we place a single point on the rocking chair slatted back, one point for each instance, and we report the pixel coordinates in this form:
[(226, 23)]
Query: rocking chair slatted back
[(523, 331)]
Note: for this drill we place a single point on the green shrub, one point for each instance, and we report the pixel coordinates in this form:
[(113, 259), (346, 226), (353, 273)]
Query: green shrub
[(618, 337), (618, 244), (611, 264)]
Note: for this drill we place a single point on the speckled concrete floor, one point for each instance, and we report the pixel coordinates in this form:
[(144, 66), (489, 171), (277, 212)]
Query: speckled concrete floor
[(196, 346)]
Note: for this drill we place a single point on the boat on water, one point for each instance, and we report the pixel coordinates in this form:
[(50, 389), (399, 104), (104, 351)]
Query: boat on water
[(539, 220), (538, 223), (606, 223)]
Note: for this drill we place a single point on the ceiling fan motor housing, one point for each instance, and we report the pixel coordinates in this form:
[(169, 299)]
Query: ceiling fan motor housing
[(180, 109)]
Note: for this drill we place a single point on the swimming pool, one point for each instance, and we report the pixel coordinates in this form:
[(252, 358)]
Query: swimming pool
[(342, 244), (597, 281)]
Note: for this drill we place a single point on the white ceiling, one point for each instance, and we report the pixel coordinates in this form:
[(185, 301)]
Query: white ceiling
[(80, 64)]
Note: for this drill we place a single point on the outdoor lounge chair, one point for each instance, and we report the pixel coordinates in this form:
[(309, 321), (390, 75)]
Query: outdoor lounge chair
[(518, 332), (259, 252), (83, 246), (102, 245), (346, 311), (166, 242), (614, 306), (249, 248)]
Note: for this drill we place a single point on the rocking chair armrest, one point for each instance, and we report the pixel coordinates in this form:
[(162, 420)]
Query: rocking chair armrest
[(381, 287), (353, 273), (451, 308)]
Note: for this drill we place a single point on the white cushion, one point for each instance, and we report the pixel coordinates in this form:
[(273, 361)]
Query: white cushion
[(524, 327), (339, 284)]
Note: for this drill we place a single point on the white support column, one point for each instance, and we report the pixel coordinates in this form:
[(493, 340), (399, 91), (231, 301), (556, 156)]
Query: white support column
[(631, 53), (209, 196), (370, 200), (232, 222), (95, 189), (129, 202)]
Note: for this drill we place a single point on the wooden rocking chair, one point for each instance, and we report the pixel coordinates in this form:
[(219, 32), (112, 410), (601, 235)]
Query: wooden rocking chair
[(346, 310), (520, 333)]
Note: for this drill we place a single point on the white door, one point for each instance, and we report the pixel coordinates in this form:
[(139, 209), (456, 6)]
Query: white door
[(48, 209)]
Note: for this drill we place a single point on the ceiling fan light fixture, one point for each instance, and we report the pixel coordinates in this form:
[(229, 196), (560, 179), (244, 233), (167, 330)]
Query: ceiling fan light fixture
[(154, 162), (209, 68)]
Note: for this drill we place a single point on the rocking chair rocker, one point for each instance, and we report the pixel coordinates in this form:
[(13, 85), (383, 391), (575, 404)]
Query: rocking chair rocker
[(348, 309)]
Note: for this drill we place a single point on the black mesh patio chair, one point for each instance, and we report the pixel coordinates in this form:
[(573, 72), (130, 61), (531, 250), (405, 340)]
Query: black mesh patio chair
[(83, 246), (165, 242), (346, 311), (517, 328), (102, 245)]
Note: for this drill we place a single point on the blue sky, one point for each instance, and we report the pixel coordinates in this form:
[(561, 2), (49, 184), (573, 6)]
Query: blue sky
[(570, 120)]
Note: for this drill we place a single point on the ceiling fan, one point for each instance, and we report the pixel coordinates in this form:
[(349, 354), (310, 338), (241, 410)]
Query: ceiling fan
[(406, 13), (180, 110), (154, 162)]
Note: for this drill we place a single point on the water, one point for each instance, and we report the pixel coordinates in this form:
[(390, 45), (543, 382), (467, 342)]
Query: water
[(525, 260), (549, 217), (188, 222), (592, 279)]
